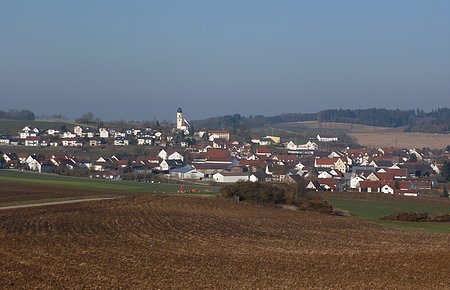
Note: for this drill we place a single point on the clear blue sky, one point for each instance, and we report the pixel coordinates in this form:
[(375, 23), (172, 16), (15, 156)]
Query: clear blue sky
[(141, 60)]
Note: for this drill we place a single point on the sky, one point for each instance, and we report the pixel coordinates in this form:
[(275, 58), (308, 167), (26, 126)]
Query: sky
[(141, 60)]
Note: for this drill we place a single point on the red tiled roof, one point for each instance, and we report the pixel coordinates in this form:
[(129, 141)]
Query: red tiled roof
[(255, 163), (369, 184), (397, 172), (205, 166), (220, 159), (356, 152), (385, 176), (331, 182), (285, 158), (263, 150), (217, 152), (326, 161)]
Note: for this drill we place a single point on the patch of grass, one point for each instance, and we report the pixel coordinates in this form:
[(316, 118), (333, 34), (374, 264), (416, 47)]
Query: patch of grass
[(8, 176), (372, 211)]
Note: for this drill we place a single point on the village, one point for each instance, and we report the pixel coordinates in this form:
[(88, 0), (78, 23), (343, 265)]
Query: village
[(213, 156)]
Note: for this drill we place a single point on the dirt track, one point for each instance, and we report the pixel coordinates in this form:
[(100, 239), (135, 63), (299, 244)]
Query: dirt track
[(52, 203), (10, 192), (197, 242)]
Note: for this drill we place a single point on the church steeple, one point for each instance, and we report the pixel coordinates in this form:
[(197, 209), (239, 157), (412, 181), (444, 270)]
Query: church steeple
[(180, 119)]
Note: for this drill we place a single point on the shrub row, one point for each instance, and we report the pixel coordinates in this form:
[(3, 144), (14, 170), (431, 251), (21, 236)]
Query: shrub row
[(417, 217)]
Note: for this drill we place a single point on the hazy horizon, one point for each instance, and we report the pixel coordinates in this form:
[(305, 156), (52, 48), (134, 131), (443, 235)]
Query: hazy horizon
[(141, 60)]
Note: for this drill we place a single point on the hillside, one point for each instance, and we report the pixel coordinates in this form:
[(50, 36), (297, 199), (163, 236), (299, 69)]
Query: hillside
[(436, 121), (13, 126), (370, 136)]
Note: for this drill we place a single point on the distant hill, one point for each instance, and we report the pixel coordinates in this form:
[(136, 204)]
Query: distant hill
[(436, 121)]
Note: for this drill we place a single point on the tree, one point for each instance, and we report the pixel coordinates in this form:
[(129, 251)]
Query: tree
[(88, 118)]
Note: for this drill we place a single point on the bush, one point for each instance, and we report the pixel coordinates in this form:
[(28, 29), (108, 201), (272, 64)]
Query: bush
[(407, 217), (443, 217), (417, 217), (258, 191), (276, 193)]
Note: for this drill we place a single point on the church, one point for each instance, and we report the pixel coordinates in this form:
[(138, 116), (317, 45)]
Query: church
[(182, 124)]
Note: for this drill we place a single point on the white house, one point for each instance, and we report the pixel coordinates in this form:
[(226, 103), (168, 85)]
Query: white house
[(213, 134), (163, 154), (4, 140), (35, 165), (307, 146), (78, 130), (229, 177), (354, 181), (71, 142), (388, 189), (327, 139), (27, 131), (104, 133), (145, 141), (32, 141), (69, 135), (167, 165), (186, 172), (119, 141), (324, 174), (175, 156), (52, 132)]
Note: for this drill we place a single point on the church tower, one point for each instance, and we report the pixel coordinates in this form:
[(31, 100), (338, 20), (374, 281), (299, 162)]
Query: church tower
[(180, 119)]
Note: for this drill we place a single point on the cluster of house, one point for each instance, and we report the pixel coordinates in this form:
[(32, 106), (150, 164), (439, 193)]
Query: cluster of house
[(85, 136), (213, 157), (387, 170)]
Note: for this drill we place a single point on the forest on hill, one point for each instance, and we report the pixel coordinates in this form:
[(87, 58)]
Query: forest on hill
[(17, 115), (436, 121)]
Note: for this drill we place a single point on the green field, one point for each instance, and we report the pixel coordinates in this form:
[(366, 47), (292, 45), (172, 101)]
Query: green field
[(14, 126), (9, 176), (373, 210)]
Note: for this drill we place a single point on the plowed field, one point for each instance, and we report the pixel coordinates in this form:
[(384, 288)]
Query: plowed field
[(15, 192), (151, 241)]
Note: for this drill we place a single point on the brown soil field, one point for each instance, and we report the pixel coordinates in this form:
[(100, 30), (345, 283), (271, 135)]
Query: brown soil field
[(16, 192), (375, 137), (402, 140), (157, 241)]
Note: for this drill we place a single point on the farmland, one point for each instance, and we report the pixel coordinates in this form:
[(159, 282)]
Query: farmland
[(369, 136), (142, 240), (372, 207), (22, 186), (166, 241)]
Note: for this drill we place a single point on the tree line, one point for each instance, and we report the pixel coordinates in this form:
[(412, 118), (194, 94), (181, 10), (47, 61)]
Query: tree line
[(436, 121), (17, 115)]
